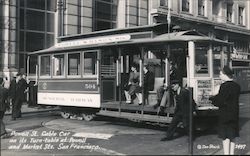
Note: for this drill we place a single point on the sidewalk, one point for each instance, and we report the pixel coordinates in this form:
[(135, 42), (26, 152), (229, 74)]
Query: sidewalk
[(26, 109)]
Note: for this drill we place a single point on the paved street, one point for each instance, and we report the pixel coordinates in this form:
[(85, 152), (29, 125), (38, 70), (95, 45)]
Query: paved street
[(46, 133)]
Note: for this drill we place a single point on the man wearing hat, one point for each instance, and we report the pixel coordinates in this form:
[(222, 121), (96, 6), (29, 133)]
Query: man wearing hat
[(164, 93), (24, 86), (181, 114), (16, 94)]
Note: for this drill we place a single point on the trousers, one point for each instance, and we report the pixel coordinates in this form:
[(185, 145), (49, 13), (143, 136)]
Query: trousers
[(16, 108), (3, 131)]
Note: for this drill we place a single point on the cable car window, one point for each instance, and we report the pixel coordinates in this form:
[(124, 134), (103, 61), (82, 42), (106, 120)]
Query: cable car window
[(58, 68), (201, 60), (216, 60), (108, 66), (45, 66), (74, 64), (90, 59), (185, 5)]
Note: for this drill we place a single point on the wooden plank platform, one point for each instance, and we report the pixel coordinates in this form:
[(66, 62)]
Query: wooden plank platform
[(141, 117), (133, 107)]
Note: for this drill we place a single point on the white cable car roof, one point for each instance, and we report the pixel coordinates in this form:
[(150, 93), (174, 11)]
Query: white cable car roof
[(182, 36)]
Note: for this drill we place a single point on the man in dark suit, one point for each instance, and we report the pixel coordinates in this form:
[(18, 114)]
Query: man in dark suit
[(164, 93), (181, 110), (148, 84), (3, 105), (24, 86), (16, 93)]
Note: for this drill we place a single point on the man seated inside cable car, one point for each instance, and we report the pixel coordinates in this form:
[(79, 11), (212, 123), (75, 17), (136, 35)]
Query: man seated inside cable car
[(164, 93)]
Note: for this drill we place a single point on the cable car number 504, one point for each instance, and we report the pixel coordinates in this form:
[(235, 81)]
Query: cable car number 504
[(90, 86)]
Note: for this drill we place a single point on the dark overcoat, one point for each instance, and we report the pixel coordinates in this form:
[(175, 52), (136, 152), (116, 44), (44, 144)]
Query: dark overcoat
[(3, 98), (228, 102), (149, 81), (16, 91), (23, 86)]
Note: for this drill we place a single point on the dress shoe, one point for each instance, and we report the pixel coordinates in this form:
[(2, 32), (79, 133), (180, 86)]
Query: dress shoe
[(13, 119), (128, 102), (161, 111), (139, 103), (156, 105)]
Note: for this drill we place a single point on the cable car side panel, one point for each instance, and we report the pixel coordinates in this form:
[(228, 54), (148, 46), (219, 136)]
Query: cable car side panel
[(79, 93)]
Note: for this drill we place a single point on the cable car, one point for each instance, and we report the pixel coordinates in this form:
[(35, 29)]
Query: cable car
[(85, 74)]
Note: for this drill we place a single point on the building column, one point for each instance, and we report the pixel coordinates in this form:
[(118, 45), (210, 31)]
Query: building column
[(5, 38), (222, 12), (56, 26), (121, 14), (9, 50), (60, 18), (248, 15)]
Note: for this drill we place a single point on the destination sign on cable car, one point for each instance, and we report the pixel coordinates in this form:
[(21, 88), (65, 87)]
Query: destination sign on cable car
[(94, 40)]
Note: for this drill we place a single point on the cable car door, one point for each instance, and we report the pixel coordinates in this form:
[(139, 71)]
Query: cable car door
[(108, 75)]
